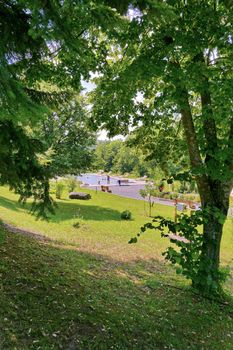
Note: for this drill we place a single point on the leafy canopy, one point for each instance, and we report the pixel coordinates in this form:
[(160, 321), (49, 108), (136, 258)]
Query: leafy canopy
[(46, 48)]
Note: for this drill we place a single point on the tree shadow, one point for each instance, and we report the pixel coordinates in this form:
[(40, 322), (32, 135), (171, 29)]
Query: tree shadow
[(11, 204), (58, 298), (68, 210)]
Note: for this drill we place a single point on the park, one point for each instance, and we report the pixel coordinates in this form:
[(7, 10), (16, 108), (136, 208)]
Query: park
[(116, 175)]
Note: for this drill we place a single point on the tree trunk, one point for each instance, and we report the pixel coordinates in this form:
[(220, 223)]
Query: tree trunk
[(209, 277), (212, 235), (214, 192)]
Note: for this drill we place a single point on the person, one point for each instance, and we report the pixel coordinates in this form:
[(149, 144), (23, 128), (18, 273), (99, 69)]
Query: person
[(119, 182), (108, 179)]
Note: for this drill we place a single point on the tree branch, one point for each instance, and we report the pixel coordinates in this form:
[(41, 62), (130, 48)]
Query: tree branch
[(209, 124), (230, 147), (191, 138), (187, 121)]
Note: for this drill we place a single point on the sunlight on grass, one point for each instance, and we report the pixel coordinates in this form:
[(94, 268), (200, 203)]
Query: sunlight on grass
[(89, 289), (96, 226), (56, 298)]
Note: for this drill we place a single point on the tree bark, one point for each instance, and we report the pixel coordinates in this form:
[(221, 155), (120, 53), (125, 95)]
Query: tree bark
[(209, 280), (211, 245), (214, 193)]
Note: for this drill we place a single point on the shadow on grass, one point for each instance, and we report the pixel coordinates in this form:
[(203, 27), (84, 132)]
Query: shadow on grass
[(67, 211), (55, 298), (10, 204)]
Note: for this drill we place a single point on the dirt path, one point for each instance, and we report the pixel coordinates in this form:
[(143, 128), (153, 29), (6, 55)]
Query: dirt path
[(36, 235)]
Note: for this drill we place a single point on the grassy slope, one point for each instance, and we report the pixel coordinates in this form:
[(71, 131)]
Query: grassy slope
[(101, 230), (55, 297)]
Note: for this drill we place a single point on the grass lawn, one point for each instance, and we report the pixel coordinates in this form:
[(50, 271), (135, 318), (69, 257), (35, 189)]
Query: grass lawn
[(101, 230), (89, 289)]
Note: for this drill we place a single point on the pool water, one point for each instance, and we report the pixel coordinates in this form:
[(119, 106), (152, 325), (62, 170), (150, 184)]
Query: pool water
[(94, 179)]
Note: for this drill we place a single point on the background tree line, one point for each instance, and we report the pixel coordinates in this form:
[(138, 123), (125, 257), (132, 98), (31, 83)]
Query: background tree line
[(118, 157)]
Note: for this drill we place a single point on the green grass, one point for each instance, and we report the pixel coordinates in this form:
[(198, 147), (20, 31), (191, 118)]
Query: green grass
[(89, 289), (100, 229), (56, 298)]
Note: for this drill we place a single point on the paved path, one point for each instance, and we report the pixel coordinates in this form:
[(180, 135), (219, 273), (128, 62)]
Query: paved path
[(132, 191)]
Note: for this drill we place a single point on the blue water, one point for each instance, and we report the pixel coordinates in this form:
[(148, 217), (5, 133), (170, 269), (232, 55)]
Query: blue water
[(93, 179)]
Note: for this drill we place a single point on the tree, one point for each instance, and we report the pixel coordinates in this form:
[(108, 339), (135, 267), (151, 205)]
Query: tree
[(68, 142), (20, 164), (149, 192), (106, 155), (122, 157), (177, 55), (46, 48), (130, 160)]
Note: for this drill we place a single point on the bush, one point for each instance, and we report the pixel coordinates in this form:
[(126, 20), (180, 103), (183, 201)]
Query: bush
[(126, 215), (173, 195), (190, 198), (76, 225), (59, 189), (156, 193), (166, 196), (183, 187), (71, 183), (187, 255)]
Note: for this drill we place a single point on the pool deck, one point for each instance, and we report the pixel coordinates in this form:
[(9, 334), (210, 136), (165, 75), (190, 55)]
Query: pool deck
[(131, 190)]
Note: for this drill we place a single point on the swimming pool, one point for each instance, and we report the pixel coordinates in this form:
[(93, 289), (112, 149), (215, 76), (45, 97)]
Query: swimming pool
[(95, 179)]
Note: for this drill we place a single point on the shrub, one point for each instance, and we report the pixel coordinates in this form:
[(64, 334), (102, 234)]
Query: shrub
[(59, 189), (166, 196), (173, 195), (190, 198), (71, 183), (181, 196), (183, 187), (76, 225), (188, 258), (126, 215), (156, 193)]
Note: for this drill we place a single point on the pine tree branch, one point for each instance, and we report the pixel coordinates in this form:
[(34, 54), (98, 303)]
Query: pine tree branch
[(49, 98)]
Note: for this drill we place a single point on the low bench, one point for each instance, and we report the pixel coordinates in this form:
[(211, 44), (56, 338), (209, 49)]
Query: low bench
[(124, 181), (105, 189)]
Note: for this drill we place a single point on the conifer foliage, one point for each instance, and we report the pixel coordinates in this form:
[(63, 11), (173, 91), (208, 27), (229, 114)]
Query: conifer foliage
[(46, 48)]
